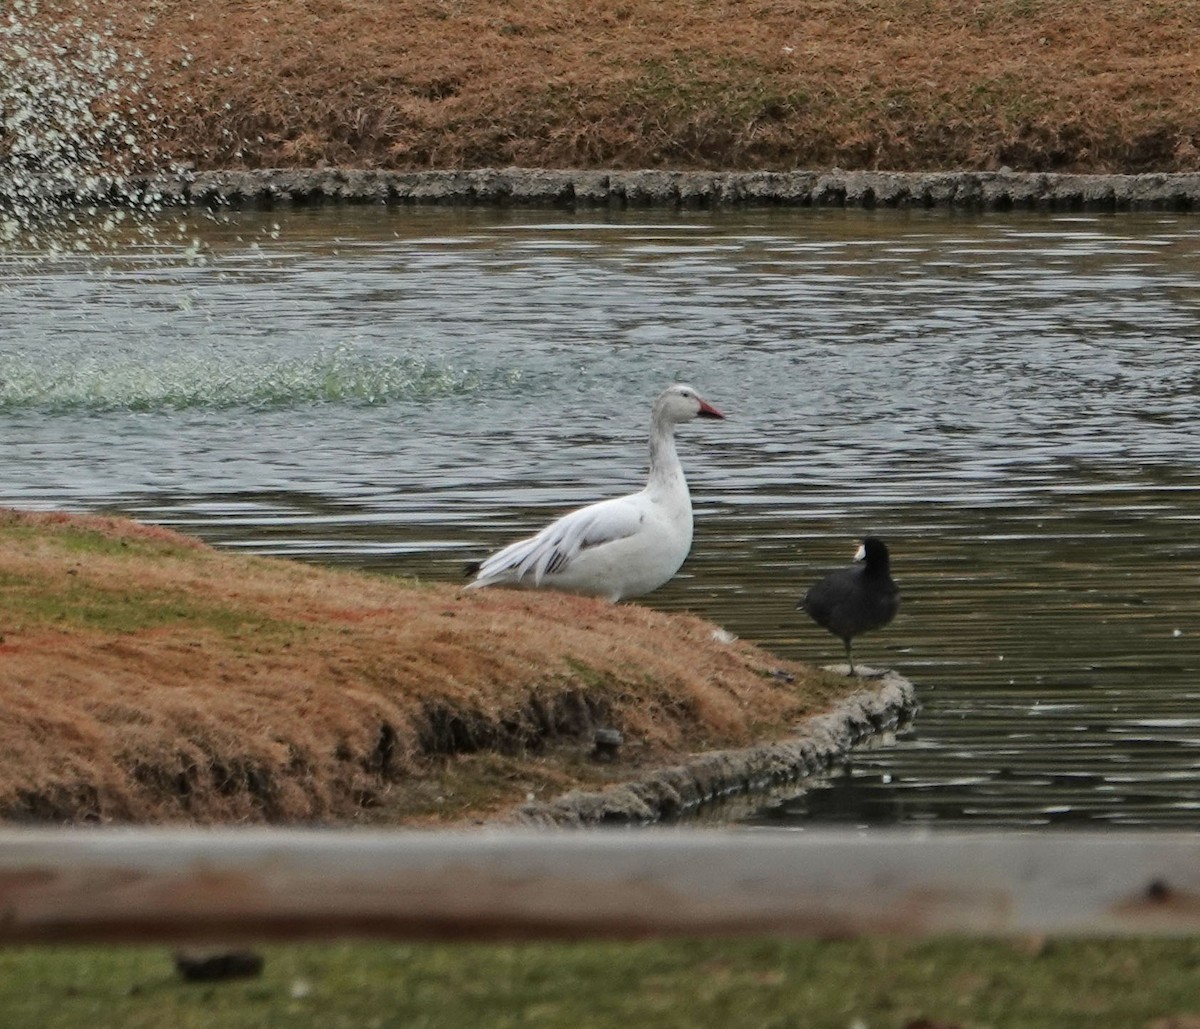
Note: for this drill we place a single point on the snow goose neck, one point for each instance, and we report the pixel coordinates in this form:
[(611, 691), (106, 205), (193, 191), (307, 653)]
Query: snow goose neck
[(617, 548), (854, 600)]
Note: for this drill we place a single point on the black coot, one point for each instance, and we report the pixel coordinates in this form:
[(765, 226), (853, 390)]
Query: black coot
[(857, 599)]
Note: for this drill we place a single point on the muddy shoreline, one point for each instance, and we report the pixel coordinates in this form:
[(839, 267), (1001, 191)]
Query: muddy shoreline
[(669, 793), (972, 191)]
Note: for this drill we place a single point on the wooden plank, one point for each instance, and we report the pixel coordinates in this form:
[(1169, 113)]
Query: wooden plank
[(234, 885)]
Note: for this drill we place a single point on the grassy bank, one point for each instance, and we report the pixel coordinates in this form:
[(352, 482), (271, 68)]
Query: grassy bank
[(149, 678), (883, 984), (1036, 85)]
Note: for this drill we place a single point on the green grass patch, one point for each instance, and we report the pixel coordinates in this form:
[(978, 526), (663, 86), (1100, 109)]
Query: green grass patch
[(76, 540), (707, 87), (76, 604), (63, 595), (28, 606), (874, 984), (590, 677)]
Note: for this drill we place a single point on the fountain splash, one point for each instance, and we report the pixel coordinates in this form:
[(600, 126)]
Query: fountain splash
[(77, 130)]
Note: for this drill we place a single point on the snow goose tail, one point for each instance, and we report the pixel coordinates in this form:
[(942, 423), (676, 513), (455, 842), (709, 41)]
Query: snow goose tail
[(617, 548)]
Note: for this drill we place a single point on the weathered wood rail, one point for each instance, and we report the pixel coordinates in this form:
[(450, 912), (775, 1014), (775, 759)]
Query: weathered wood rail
[(225, 885)]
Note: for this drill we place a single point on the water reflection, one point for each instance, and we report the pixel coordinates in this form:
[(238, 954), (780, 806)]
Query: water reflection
[(1010, 402)]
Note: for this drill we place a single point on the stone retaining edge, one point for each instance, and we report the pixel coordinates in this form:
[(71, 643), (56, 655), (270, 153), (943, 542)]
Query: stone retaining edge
[(820, 741), (987, 191)]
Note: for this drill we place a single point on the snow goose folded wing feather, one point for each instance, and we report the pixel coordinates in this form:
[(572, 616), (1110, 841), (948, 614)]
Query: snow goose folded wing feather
[(554, 548)]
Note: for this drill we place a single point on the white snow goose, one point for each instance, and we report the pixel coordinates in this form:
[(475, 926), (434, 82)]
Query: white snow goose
[(617, 548)]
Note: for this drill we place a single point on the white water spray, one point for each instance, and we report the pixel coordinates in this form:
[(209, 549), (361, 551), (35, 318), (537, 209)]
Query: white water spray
[(76, 123)]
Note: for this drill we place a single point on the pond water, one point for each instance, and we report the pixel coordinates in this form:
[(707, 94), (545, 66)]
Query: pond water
[(1011, 402)]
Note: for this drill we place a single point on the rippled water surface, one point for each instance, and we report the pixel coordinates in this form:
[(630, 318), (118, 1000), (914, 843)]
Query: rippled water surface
[(1010, 401)]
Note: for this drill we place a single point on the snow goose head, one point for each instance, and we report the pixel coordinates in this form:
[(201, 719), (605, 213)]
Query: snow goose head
[(681, 403)]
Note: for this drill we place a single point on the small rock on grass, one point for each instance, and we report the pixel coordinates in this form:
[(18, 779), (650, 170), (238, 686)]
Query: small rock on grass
[(215, 966)]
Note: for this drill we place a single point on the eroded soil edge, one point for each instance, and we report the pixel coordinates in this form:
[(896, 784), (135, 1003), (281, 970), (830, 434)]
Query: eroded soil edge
[(819, 742)]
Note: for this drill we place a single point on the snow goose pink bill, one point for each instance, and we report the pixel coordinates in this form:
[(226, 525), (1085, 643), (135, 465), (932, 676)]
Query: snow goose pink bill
[(617, 548)]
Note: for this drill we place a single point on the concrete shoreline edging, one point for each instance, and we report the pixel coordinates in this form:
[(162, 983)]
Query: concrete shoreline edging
[(965, 190), (818, 743)]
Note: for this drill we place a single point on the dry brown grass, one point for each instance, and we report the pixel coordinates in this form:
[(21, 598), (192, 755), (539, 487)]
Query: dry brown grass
[(1111, 85), (145, 677)]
